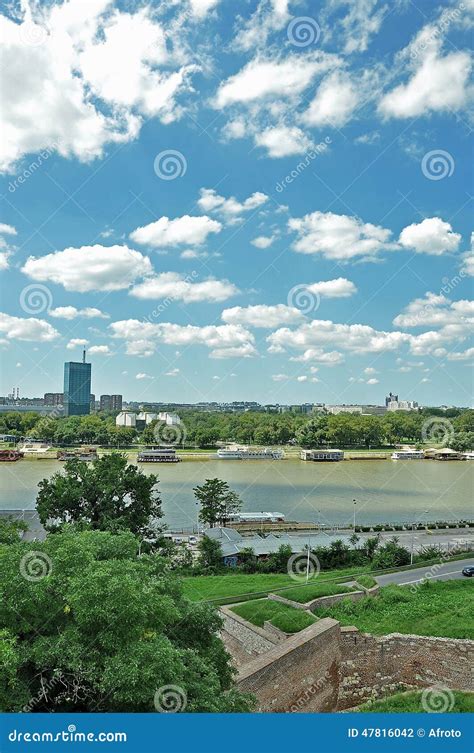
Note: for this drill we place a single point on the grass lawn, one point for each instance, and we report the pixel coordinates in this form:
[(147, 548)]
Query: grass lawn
[(286, 618), (235, 586), (412, 702), (302, 594), (367, 581), (439, 608)]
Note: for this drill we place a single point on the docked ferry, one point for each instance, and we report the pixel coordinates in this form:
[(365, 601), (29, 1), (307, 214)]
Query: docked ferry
[(35, 448), (158, 455), (86, 455), (408, 455), (242, 452)]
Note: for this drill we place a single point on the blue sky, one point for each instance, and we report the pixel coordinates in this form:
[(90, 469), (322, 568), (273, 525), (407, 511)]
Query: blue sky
[(265, 201)]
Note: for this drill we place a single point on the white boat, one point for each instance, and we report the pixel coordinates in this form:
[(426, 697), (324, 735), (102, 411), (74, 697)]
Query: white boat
[(408, 455), (35, 448), (242, 452), (468, 455)]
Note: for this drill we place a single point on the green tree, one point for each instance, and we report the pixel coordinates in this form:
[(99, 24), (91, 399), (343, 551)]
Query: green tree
[(107, 494), (218, 501), (390, 554), (87, 626), (11, 530), (210, 554)]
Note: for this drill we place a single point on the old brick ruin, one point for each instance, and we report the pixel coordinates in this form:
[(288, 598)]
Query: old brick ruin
[(327, 667)]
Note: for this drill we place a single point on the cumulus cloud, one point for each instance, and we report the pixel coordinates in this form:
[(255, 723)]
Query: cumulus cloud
[(283, 141), (435, 310), (100, 350), (431, 236), (262, 315), (338, 236), (315, 355), (186, 230), (338, 288), (263, 241), (334, 103), (5, 250), (357, 338), (177, 287), (89, 268), (30, 330), (372, 381), (211, 201), (78, 90), (222, 340), (464, 355), (71, 312), (76, 342), (438, 83)]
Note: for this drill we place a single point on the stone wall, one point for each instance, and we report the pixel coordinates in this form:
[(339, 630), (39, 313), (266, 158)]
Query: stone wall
[(372, 666), (301, 674), (243, 640)]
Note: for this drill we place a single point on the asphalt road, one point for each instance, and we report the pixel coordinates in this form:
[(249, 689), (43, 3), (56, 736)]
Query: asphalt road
[(444, 571)]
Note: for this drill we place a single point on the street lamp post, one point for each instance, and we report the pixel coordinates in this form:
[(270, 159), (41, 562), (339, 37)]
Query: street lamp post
[(354, 519)]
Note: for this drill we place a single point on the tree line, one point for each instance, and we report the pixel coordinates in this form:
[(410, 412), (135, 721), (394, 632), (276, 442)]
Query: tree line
[(206, 429)]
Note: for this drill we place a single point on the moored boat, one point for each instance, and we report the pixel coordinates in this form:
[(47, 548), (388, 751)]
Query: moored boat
[(243, 452), (158, 455), (408, 455), (10, 456)]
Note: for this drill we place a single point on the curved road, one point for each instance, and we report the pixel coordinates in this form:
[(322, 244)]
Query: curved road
[(443, 571)]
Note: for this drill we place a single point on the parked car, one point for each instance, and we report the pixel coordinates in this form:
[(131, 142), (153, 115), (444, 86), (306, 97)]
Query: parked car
[(468, 571)]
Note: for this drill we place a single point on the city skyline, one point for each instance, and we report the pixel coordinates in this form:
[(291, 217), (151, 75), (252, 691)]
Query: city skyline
[(304, 238)]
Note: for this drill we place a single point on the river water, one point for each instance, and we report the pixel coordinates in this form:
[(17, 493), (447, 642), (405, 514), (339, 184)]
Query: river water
[(384, 490)]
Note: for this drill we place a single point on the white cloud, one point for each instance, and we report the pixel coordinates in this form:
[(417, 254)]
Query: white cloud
[(280, 377), (283, 141), (142, 375), (71, 312), (465, 355), (370, 370), (338, 288), (172, 373), (431, 236), (76, 342), (356, 338), (5, 251), (201, 7), (184, 230), (372, 381), (467, 267), (263, 241), (100, 350), (30, 330), (438, 83), (78, 90), (334, 103), (360, 20), (177, 287), (435, 310), (7, 229), (210, 201), (260, 79), (311, 355), (223, 340), (338, 236), (89, 268), (262, 315)]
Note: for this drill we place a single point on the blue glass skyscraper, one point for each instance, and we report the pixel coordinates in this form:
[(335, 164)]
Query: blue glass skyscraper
[(77, 388)]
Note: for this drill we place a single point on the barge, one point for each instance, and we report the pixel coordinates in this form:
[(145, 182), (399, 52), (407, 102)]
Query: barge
[(158, 455)]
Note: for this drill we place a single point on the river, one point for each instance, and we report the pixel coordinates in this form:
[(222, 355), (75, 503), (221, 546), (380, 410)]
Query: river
[(384, 490)]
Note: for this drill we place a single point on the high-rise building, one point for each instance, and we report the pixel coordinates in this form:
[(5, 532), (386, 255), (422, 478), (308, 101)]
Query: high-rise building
[(77, 388), (53, 398), (111, 402), (390, 399)]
